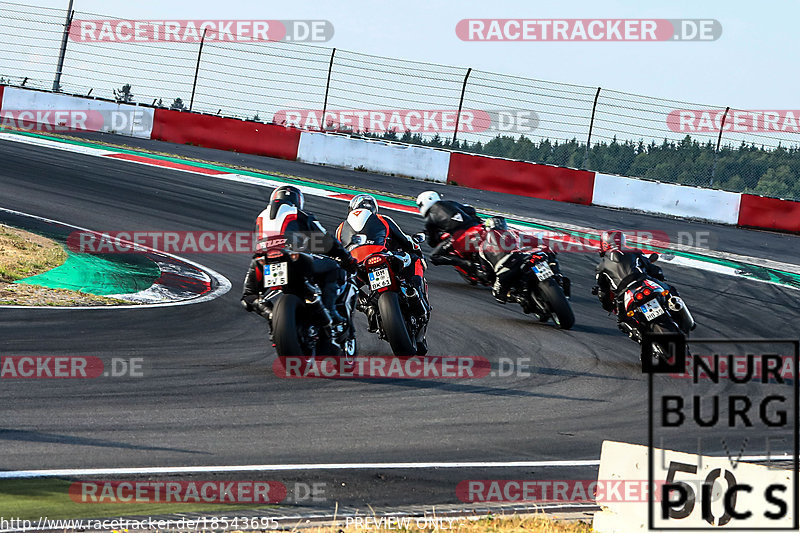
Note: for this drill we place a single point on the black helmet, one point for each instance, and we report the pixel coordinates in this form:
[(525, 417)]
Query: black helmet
[(495, 223), (287, 194), (363, 201)]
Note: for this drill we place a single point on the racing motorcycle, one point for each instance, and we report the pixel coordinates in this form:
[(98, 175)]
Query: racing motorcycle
[(393, 307), (650, 307), (542, 289), (476, 274), (296, 314)]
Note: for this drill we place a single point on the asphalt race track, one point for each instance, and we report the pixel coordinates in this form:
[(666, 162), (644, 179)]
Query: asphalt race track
[(209, 395)]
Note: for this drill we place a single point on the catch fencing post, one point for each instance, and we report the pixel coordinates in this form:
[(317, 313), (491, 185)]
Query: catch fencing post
[(63, 52), (327, 88), (460, 104), (197, 68), (591, 126), (719, 141)]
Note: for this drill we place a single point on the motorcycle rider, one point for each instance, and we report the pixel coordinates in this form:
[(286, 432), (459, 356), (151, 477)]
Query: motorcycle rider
[(448, 216), (380, 231), (284, 223), (620, 266), (502, 250)]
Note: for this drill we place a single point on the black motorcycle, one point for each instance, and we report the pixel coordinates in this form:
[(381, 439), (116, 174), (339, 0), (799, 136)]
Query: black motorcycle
[(296, 315), (542, 289), (650, 307)]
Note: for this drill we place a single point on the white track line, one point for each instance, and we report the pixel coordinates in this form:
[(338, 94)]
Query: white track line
[(289, 467), (15, 474)]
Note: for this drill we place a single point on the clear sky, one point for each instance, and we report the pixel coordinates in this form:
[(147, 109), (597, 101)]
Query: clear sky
[(753, 65)]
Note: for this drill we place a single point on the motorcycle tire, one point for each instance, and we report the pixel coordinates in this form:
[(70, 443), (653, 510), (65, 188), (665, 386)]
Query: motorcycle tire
[(284, 326), (394, 325), (560, 309)]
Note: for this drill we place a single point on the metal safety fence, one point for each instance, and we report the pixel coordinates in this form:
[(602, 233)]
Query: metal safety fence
[(224, 70)]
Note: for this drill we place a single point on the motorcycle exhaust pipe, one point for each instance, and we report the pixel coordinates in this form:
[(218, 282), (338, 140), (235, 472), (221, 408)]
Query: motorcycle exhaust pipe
[(318, 312), (415, 301), (677, 305)]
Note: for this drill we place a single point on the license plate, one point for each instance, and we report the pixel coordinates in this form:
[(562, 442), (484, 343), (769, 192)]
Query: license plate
[(379, 278), (652, 310), (542, 271), (276, 274)]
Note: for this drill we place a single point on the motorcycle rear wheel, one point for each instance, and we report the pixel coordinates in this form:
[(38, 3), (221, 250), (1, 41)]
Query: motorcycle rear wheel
[(394, 325), (284, 326), (560, 309)]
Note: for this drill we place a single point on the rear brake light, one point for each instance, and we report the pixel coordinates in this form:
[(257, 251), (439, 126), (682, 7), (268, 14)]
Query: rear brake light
[(374, 260), (639, 296), (646, 292)]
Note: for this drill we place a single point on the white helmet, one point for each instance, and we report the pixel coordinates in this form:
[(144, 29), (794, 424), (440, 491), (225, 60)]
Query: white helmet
[(425, 200)]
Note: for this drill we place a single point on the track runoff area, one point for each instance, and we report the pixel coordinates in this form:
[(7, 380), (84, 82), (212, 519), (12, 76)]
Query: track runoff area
[(743, 395)]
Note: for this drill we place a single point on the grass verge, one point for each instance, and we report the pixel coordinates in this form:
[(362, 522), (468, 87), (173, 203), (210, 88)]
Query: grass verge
[(31, 499), (24, 254), (491, 524)]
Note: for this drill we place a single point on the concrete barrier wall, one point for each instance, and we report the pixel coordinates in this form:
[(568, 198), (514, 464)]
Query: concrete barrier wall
[(44, 111), (376, 156), (666, 198), (521, 178), (223, 133)]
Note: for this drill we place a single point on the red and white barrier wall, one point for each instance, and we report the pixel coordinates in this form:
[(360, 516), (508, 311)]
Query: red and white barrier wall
[(24, 108)]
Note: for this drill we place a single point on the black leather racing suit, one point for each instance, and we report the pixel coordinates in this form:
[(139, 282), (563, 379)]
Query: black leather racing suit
[(617, 270), (448, 216)]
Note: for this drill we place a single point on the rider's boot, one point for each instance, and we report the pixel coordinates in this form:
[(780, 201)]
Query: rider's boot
[(329, 294)]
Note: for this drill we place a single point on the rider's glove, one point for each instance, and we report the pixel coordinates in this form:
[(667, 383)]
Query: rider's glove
[(350, 264), (405, 258)]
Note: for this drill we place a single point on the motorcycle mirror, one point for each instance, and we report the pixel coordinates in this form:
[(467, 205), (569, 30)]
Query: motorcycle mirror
[(418, 238), (653, 257)]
